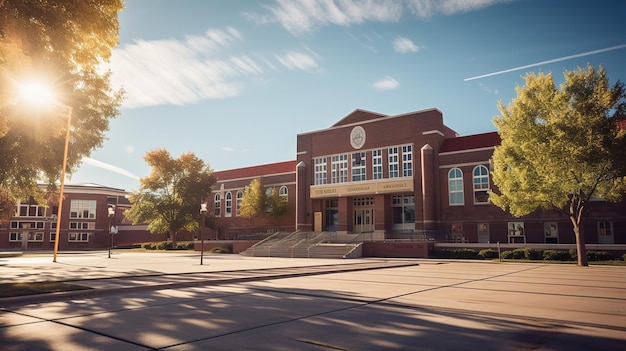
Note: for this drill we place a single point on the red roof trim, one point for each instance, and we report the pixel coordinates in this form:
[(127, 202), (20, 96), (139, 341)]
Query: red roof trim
[(256, 171), (470, 142)]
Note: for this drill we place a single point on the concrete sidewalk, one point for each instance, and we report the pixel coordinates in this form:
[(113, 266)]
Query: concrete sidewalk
[(435, 305)]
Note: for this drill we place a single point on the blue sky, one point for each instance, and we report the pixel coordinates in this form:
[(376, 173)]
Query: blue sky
[(235, 81)]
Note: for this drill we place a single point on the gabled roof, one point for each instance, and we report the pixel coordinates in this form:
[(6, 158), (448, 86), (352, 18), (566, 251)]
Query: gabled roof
[(358, 116), (256, 171), (476, 141)]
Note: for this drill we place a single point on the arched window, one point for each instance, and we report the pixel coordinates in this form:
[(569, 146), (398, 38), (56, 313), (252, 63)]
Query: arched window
[(481, 185), (455, 187), (239, 200), (228, 207), (217, 205), (283, 192)]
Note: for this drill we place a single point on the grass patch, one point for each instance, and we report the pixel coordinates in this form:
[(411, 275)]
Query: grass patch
[(22, 289)]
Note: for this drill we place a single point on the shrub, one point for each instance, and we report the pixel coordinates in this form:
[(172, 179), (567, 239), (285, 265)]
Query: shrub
[(599, 256), (533, 254), (222, 249), (149, 246), (456, 253), (488, 253), (507, 255), (556, 255), (165, 245), (624, 257), (519, 254)]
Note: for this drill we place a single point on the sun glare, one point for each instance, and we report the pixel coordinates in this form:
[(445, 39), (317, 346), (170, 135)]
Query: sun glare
[(36, 93)]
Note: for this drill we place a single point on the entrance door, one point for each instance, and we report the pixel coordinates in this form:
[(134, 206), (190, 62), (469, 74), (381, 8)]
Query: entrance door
[(363, 220)]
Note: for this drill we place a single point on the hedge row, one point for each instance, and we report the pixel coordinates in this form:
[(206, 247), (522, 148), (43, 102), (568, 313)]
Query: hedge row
[(168, 245), (523, 254)]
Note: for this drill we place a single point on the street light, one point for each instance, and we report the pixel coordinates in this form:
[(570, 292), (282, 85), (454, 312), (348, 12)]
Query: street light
[(37, 93), (112, 229), (203, 213), (67, 112)]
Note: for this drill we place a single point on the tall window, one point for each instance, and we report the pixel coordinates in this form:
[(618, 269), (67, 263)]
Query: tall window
[(377, 164), (403, 208), (85, 209), (228, 205), (339, 169), (481, 185), (217, 205), (283, 192), (455, 187), (82, 237), (358, 166), (393, 162), (239, 200), (320, 170), (24, 209), (407, 161)]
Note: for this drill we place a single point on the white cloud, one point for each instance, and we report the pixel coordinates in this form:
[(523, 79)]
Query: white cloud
[(387, 83), (304, 16), (298, 60), (404, 45), (428, 8), (129, 149), (227, 148), (181, 72), (109, 167)]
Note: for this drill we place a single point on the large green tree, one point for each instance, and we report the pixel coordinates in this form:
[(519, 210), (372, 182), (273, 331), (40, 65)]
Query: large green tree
[(169, 199), (63, 44), (262, 203), (561, 146)]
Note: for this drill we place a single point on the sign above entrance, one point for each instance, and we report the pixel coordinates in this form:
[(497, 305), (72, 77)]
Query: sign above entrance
[(362, 188), (357, 137)]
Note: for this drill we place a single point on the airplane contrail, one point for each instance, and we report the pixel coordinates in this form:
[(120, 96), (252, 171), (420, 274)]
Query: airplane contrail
[(617, 47), (110, 167)]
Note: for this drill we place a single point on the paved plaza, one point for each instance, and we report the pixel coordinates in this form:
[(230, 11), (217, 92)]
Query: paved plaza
[(168, 301)]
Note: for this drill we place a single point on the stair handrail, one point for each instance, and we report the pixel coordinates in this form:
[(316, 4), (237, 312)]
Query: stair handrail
[(319, 239), (264, 241), (269, 251), (358, 239)]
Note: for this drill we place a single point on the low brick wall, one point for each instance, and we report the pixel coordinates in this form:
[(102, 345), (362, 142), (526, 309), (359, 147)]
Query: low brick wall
[(237, 245), (397, 249)]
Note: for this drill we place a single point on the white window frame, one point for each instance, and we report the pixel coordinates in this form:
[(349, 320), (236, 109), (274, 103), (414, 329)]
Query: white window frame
[(283, 191), (217, 205), (76, 237), (238, 201), (455, 187), (320, 171), (377, 164), (480, 183), (228, 204), (26, 209), (392, 156), (359, 164), (339, 169), (84, 209), (407, 160)]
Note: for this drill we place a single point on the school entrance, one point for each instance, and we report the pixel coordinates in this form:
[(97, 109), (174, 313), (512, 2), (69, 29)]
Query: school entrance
[(363, 208)]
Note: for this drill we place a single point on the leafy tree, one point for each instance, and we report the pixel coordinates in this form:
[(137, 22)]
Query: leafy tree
[(63, 43), (169, 198), (561, 147), (257, 202)]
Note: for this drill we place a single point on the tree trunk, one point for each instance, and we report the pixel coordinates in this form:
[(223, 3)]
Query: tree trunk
[(576, 211), (173, 239), (581, 249)]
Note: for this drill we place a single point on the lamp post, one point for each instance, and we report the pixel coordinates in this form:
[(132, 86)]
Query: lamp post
[(111, 228), (67, 112), (203, 213)]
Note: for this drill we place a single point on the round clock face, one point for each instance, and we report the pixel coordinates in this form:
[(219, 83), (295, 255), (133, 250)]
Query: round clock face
[(357, 137)]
